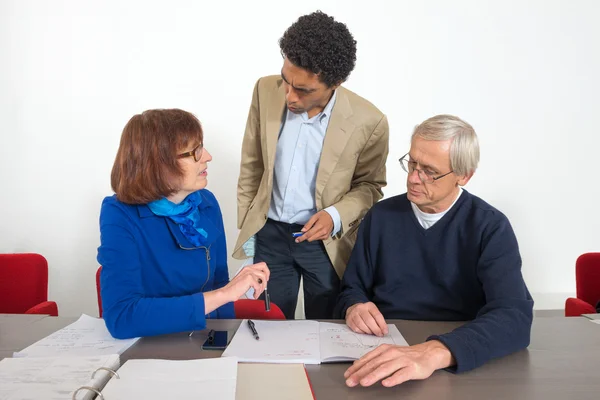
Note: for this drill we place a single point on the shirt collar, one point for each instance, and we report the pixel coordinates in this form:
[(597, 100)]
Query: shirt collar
[(327, 110), (325, 114)]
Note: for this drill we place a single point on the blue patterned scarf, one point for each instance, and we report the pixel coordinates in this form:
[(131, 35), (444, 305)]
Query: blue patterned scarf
[(185, 215)]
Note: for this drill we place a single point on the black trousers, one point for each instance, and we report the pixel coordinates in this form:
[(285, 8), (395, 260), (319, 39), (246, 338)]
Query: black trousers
[(288, 261)]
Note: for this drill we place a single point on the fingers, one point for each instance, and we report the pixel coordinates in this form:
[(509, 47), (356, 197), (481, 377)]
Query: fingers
[(384, 370), (354, 320), (366, 318), (258, 280), (318, 227), (371, 324), (374, 311), (358, 364), (307, 228), (318, 232), (258, 288), (260, 269), (310, 223), (358, 325), (261, 266), (392, 364), (401, 376), (253, 276), (366, 365)]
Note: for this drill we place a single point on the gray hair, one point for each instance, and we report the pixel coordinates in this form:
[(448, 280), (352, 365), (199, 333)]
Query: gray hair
[(464, 146)]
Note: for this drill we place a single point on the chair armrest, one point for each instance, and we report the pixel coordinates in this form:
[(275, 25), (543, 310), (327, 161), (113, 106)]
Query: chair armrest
[(47, 307), (575, 307)]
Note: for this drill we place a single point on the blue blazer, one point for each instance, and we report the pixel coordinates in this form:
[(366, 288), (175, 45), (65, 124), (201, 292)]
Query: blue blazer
[(153, 278)]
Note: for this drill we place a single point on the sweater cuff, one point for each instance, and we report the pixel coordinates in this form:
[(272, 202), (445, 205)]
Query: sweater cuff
[(200, 318), (460, 351)]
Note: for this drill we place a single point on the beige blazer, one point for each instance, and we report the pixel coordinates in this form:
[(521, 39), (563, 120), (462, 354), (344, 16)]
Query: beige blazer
[(351, 169)]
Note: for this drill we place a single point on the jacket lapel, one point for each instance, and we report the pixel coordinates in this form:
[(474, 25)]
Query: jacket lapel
[(338, 133), (275, 112)]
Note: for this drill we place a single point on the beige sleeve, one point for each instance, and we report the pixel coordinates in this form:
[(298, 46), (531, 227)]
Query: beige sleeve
[(251, 166), (368, 179)]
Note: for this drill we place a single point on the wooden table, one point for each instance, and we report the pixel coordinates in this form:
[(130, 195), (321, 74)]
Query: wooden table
[(561, 362)]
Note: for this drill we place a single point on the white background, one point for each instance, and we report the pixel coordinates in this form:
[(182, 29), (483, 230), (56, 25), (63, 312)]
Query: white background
[(524, 74)]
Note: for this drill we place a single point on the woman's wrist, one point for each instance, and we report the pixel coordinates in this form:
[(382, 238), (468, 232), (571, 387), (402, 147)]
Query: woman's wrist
[(215, 299)]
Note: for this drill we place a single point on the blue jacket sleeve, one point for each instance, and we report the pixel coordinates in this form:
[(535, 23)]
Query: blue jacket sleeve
[(126, 311), (357, 282), (503, 325), (221, 270)]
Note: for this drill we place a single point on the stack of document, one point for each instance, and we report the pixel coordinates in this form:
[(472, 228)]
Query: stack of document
[(87, 336)]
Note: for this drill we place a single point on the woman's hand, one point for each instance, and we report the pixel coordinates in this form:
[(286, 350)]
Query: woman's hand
[(253, 276)]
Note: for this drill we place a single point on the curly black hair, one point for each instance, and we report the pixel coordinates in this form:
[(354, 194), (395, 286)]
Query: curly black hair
[(317, 43)]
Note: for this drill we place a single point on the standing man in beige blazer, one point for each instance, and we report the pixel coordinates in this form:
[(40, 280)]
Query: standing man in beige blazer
[(313, 163)]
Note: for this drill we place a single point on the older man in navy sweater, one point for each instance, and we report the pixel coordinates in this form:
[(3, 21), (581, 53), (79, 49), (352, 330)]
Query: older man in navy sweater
[(436, 253)]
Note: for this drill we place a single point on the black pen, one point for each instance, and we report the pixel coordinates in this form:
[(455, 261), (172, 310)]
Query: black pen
[(253, 329), (267, 300), (211, 336)]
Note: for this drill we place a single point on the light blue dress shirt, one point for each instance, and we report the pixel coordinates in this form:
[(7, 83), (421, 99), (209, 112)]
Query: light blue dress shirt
[(296, 164)]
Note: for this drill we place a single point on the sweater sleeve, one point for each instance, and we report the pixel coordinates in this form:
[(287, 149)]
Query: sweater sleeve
[(503, 325), (127, 312), (357, 282)]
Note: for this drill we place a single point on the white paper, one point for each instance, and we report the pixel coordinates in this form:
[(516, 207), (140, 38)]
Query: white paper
[(87, 336), (340, 343), (308, 342), (280, 342), (166, 379), (53, 377), (595, 321)]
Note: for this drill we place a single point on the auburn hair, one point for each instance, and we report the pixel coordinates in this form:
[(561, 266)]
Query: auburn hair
[(146, 166)]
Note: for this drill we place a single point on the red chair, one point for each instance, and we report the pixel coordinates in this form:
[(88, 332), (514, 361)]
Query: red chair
[(255, 309), (98, 291), (587, 277), (244, 308), (24, 285)]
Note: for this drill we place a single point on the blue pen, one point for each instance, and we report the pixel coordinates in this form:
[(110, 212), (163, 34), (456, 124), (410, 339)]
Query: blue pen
[(297, 234)]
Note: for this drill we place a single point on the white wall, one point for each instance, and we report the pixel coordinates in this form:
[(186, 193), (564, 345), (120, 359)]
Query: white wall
[(525, 74)]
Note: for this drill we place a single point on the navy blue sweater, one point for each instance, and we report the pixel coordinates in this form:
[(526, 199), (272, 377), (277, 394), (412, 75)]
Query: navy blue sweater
[(466, 267)]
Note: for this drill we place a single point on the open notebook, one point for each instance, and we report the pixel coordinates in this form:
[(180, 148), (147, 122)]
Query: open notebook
[(308, 342)]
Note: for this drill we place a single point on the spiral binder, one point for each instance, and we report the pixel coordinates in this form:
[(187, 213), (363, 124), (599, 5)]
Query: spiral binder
[(93, 389), (111, 371)]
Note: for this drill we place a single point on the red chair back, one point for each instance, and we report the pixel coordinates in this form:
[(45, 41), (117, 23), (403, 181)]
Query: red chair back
[(98, 291), (255, 309), (587, 274), (24, 285)]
